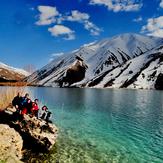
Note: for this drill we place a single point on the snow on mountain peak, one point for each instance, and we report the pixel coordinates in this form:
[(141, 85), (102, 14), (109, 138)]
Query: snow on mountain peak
[(16, 70), (100, 56)]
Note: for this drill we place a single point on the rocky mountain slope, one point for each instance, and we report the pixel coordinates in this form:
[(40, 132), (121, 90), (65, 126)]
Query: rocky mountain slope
[(8, 73), (123, 61)]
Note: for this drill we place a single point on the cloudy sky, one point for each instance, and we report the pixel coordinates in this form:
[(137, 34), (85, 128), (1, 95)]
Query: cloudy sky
[(33, 31)]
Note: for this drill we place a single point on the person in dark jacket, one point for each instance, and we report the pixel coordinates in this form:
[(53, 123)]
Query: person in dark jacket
[(29, 106), (43, 112), (46, 114), (48, 117), (16, 102)]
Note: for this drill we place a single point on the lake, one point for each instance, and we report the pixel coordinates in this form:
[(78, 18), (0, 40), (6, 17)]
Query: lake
[(103, 126)]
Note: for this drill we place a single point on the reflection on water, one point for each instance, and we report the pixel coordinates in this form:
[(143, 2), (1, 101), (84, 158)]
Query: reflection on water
[(97, 125)]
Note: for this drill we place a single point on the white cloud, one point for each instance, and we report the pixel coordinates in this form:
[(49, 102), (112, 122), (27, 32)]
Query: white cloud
[(154, 27), (50, 15), (161, 4), (83, 18), (119, 5), (60, 19), (57, 54), (61, 30), (139, 19), (47, 15), (94, 30), (78, 16)]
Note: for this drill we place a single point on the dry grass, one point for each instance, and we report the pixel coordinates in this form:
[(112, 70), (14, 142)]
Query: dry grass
[(16, 84), (7, 95)]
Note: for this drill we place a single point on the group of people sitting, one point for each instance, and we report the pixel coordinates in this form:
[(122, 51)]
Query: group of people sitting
[(24, 105)]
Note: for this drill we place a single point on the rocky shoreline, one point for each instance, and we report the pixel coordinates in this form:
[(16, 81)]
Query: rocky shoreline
[(19, 134)]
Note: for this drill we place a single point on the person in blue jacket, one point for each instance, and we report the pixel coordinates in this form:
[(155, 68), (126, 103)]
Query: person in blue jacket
[(24, 103)]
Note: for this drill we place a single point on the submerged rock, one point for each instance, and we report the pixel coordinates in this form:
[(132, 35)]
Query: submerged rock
[(37, 134), (10, 145)]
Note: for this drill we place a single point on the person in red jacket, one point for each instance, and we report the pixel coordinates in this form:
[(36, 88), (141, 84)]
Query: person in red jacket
[(35, 108)]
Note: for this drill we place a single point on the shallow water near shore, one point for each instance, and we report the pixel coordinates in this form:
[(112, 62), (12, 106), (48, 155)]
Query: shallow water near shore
[(96, 125)]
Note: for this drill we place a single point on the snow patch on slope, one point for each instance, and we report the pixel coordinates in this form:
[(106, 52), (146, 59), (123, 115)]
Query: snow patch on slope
[(121, 57), (16, 70)]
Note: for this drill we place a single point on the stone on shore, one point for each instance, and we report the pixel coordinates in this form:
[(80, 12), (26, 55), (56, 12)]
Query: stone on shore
[(37, 134), (11, 144)]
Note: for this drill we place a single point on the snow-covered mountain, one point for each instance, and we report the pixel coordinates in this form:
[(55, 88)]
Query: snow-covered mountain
[(8, 73), (127, 60)]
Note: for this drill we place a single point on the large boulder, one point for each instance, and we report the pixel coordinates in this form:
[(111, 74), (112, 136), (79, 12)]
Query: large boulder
[(43, 135), (10, 145), (37, 134)]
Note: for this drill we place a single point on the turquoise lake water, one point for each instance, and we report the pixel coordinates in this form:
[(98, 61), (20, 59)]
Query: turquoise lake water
[(103, 126)]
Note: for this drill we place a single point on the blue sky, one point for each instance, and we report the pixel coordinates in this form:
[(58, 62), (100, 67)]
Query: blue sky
[(32, 31)]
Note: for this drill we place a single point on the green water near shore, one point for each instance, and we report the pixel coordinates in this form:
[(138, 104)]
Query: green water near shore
[(95, 125)]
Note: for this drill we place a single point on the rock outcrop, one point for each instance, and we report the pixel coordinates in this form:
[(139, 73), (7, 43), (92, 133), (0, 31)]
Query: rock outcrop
[(159, 82), (75, 73), (10, 145), (37, 134)]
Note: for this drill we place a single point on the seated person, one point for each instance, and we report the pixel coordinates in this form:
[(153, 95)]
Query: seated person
[(43, 112), (46, 115), (35, 108), (29, 106), (24, 99), (16, 102)]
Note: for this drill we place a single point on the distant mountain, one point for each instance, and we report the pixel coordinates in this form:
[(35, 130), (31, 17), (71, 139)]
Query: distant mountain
[(8, 73), (123, 61)]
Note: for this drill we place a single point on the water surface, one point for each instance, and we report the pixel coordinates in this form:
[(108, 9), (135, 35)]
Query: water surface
[(96, 125)]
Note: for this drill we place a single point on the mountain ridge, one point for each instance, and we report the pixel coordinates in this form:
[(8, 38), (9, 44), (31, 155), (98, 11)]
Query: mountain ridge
[(101, 57), (9, 73)]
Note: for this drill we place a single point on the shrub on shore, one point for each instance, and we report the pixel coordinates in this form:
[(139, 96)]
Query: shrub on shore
[(7, 94)]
